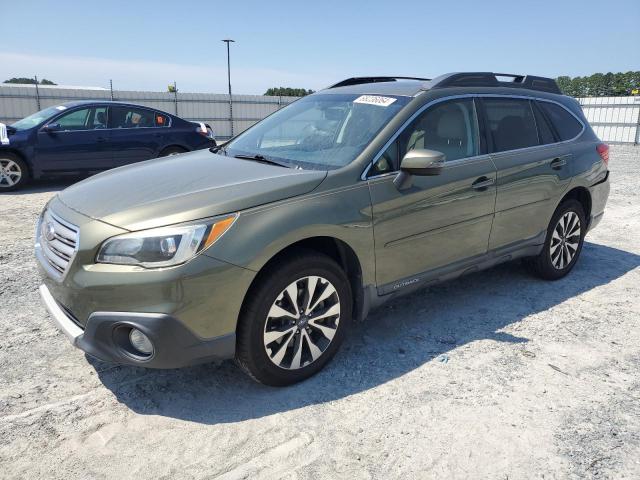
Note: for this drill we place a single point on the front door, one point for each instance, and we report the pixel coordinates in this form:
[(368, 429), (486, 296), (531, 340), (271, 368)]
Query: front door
[(79, 145), (439, 220)]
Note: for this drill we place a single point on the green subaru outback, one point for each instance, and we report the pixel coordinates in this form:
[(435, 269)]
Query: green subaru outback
[(265, 249)]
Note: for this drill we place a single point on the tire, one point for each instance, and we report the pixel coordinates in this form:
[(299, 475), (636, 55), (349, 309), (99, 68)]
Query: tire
[(14, 173), (171, 151), (561, 249), (299, 345)]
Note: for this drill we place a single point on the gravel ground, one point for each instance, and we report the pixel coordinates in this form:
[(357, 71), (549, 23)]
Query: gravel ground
[(496, 375)]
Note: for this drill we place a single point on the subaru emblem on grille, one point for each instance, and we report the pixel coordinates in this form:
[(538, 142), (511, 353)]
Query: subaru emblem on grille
[(49, 231)]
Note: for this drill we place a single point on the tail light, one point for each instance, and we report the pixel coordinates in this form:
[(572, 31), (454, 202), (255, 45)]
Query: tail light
[(603, 151), (204, 130)]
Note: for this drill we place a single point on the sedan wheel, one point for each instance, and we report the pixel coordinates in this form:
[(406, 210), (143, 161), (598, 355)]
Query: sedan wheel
[(302, 322), (10, 173)]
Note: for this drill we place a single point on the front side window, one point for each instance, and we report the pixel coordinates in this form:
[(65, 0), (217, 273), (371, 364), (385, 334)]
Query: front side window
[(84, 119), (449, 127), (511, 123), (321, 132), (76, 120), (565, 124), (131, 117)]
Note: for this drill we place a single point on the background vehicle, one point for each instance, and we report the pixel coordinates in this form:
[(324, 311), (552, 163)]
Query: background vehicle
[(329, 207), (81, 138)]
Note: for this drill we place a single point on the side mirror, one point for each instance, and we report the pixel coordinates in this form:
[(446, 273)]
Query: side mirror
[(52, 127), (419, 162)]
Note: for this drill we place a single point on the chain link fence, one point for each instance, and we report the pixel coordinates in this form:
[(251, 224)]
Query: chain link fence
[(18, 101), (615, 119)]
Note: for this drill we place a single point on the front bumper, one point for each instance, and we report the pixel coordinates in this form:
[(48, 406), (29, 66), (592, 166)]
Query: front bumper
[(189, 311), (105, 336)]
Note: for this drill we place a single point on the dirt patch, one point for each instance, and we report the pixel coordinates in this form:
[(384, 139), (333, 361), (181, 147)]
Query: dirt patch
[(496, 375)]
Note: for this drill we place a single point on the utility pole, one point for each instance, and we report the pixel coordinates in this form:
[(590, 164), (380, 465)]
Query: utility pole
[(37, 93), (228, 41)]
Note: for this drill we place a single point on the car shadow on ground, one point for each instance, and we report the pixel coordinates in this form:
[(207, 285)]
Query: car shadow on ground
[(426, 326), (43, 186)]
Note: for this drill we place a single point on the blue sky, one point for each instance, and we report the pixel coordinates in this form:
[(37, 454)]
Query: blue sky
[(147, 45)]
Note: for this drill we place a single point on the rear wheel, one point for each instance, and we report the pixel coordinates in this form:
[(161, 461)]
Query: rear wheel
[(563, 243), (171, 151), (294, 319), (14, 173)]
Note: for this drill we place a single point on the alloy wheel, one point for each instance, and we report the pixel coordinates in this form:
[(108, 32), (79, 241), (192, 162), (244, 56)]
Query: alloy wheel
[(302, 322), (565, 240), (10, 173)]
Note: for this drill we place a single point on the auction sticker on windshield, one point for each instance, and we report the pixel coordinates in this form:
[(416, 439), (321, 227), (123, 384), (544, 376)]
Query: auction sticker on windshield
[(375, 100)]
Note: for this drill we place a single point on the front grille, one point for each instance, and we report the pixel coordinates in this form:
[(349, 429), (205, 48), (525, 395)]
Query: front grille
[(59, 242)]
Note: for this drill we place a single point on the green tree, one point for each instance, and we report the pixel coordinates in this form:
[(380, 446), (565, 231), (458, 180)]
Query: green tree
[(28, 81), (609, 84), (288, 92)]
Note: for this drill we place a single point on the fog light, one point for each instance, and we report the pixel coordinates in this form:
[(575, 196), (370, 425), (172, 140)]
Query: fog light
[(140, 342)]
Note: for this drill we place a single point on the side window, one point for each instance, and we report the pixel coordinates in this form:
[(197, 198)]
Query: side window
[(161, 120), (565, 124), (511, 123), (545, 134), (99, 118), (76, 120), (449, 127), (388, 161), (131, 117)]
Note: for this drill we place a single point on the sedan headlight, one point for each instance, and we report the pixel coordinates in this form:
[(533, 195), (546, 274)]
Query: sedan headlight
[(163, 247)]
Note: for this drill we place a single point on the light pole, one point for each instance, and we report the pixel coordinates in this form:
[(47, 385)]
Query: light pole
[(228, 41)]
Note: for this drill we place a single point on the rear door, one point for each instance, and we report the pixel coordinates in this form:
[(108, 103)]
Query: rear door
[(532, 169), (136, 134), (80, 145), (439, 220)]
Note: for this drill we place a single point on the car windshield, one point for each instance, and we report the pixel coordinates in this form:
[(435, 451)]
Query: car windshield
[(37, 118), (320, 132)]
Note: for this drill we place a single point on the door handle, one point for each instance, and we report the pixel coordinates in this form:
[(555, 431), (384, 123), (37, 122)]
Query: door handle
[(558, 163), (482, 183), (101, 139)]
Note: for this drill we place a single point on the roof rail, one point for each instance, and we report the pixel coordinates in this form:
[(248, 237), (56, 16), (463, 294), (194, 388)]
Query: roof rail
[(490, 79), (361, 80)]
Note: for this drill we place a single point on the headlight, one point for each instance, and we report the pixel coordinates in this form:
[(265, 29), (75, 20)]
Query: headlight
[(163, 247)]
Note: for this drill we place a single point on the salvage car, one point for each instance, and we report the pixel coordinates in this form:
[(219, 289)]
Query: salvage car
[(85, 137), (330, 207)]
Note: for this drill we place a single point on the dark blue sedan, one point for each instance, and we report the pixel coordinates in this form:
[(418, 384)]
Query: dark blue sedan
[(82, 138)]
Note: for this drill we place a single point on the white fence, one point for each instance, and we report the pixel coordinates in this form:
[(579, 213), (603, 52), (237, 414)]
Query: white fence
[(614, 119)]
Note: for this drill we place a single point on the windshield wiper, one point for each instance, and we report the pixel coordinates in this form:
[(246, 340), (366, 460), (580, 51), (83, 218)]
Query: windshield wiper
[(261, 159)]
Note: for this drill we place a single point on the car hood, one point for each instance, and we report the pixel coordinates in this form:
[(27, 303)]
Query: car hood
[(185, 187)]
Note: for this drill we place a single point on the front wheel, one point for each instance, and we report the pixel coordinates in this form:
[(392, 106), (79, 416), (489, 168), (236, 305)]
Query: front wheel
[(294, 319), (563, 242), (14, 173)]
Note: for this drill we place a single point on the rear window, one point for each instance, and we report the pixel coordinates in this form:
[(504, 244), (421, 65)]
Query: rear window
[(511, 123), (161, 120), (565, 124), (132, 117)]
